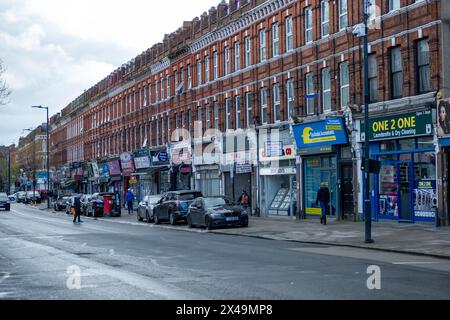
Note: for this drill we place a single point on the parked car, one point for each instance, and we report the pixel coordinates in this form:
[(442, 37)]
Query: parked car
[(33, 196), (146, 206), (21, 197), (216, 211), (61, 203), (12, 197), (94, 207), (4, 202), (173, 207), (71, 202)]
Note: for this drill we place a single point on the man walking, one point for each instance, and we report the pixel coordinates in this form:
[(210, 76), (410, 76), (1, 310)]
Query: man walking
[(244, 200), (129, 199), (323, 199), (77, 207)]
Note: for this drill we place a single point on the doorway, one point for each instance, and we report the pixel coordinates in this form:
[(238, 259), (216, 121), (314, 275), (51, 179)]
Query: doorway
[(347, 197)]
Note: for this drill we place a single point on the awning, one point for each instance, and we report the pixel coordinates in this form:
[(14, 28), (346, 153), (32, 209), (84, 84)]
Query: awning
[(68, 184), (444, 142)]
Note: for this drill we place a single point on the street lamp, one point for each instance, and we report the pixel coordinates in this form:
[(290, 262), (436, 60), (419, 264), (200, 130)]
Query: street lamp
[(48, 158), (34, 162), (362, 31)]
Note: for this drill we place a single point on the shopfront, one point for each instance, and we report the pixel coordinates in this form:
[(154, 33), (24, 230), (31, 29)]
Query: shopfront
[(443, 162), (406, 187), (142, 164), (158, 180), (319, 146)]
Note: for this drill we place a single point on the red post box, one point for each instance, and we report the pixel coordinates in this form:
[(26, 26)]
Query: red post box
[(107, 204)]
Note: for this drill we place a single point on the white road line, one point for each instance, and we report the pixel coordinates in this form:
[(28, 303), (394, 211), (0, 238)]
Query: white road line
[(415, 262)]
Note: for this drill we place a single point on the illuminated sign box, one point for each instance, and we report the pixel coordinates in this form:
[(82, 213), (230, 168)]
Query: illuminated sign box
[(320, 134)]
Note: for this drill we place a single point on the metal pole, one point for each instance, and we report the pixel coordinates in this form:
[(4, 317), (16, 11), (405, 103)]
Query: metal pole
[(367, 204), (9, 170), (48, 167), (34, 170)]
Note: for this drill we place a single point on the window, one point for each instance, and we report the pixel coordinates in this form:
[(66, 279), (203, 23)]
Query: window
[(309, 93), (396, 73), (191, 127), (157, 133), (227, 60), (162, 89), (167, 86), (145, 99), (183, 120), (264, 112), (248, 52), (228, 112), (345, 84), (207, 69), (163, 131), (175, 76), (276, 103), (189, 75), (216, 115), (200, 118), (308, 25), (199, 73), (394, 5), (289, 35), (373, 78), (275, 40), (326, 90), (237, 103), (325, 18), (262, 45), (248, 109), (182, 81), (157, 91), (237, 56), (343, 14), (423, 66), (215, 66), (208, 117), (290, 97)]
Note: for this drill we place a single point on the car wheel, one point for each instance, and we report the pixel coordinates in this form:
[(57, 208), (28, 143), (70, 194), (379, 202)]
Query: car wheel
[(189, 221), (208, 223), (156, 219), (139, 217), (147, 216), (173, 219)]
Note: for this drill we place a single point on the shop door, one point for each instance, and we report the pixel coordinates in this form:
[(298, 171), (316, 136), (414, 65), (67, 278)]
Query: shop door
[(347, 189), (405, 187), (329, 177)]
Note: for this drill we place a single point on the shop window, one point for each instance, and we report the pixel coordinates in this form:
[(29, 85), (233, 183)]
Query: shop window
[(406, 144), (425, 166), (425, 143), (388, 146)]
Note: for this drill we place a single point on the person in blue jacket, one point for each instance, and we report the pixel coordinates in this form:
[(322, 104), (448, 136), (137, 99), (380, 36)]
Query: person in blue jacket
[(129, 199)]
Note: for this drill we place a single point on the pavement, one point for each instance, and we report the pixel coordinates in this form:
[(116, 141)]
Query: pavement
[(419, 239)]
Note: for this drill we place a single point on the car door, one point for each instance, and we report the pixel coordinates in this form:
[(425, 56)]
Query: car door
[(193, 211), (166, 205), (159, 207)]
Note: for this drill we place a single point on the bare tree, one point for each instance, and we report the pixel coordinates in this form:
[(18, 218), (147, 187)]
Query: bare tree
[(4, 90)]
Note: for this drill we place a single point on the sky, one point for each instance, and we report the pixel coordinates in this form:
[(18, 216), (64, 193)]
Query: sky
[(53, 50)]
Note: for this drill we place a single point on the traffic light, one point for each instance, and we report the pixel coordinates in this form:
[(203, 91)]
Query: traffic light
[(374, 166)]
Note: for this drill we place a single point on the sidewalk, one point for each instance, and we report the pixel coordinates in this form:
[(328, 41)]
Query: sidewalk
[(421, 239)]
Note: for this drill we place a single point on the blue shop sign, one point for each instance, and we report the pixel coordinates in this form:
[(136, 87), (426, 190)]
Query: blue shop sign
[(320, 134), (105, 171)]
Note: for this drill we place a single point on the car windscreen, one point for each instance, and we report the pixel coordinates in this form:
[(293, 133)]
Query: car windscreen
[(214, 202), (154, 199), (188, 196), (3, 198)]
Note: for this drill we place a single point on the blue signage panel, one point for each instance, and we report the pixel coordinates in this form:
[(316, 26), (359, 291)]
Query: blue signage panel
[(320, 134)]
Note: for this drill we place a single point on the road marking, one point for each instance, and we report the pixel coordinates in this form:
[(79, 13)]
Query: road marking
[(415, 262)]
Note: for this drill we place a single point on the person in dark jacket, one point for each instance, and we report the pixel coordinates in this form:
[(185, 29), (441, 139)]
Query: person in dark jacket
[(129, 199), (323, 199), (77, 206)]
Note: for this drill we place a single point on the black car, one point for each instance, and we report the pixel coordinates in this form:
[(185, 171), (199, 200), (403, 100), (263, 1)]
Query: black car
[(174, 206), (146, 208), (4, 202), (61, 203), (216, 211)]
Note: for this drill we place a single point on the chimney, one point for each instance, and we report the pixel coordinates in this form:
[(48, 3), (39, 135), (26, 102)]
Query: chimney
[(204, 20), (222, 9), (233, 5), (212, 15)]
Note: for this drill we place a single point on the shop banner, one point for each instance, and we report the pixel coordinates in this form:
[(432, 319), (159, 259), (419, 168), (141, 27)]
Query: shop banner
[(114, 168), (142, 159), (126, 162), (159, 158), (400, 126), (104, 171), (244, 167), (318, 134), (425, 199), (273, 149), (443, 125), (95, 170)]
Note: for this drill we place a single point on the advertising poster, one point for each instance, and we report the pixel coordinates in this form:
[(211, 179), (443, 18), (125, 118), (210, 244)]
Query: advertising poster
[(126, 161), (425, 199), (114, 168), (443, 117), (318, 134), (388, 205)]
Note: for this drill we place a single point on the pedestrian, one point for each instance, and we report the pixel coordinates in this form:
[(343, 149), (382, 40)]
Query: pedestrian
[(244, 199), (323, 199), (129, 199), (77, 207)]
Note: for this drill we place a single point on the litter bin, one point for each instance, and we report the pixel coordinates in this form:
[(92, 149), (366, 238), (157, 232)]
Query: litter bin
[(107, 204)]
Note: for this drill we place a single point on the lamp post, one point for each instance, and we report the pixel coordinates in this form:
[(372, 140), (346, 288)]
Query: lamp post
[(362, 30), (34, 161), (48, 157)]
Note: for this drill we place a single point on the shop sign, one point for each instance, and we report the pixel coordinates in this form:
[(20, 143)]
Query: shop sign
[(159, 158), (104, 171), (142, 159), (126, 162), (425, 199), (320, 150), (273, 149), (277, 171), (400, 126), (443, 118), (319, 134), (243, 167), (114, 168), (95, 170)]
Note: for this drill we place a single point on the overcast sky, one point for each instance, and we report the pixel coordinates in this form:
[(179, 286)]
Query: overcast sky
[(55, 49)]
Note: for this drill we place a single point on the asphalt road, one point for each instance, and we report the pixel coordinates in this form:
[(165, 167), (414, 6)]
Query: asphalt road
[(42, 254)]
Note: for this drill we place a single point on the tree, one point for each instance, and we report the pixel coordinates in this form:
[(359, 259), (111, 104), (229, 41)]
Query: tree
[(4, 90)]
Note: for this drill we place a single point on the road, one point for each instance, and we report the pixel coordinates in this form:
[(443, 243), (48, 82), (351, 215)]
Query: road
[(42, 254)]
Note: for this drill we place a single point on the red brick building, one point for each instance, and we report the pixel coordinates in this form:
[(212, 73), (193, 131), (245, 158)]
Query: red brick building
[(266, 63)]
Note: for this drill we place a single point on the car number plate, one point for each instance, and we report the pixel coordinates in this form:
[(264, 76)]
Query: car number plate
[(233, 219)]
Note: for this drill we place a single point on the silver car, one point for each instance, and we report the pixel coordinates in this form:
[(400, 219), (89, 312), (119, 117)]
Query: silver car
[(146, 206)]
